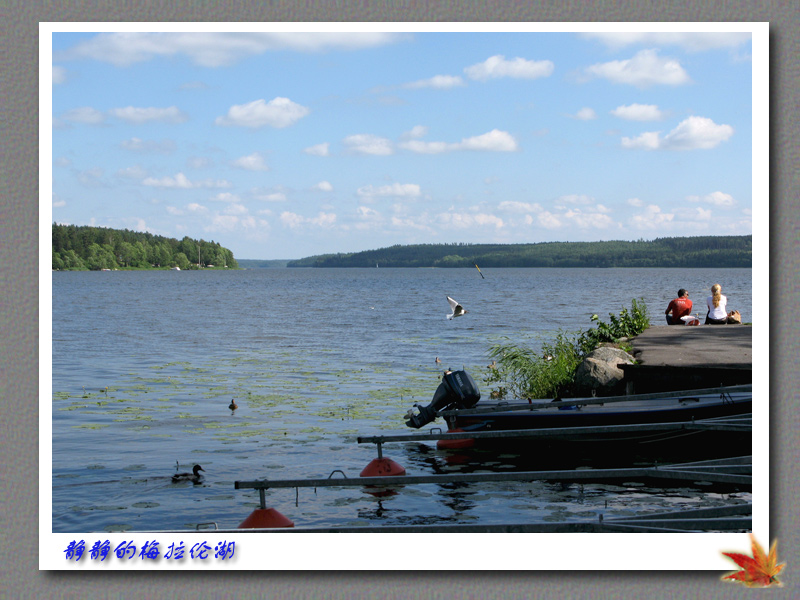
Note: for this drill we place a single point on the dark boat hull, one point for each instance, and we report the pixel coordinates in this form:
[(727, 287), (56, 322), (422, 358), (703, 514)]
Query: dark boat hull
[(712, 425)]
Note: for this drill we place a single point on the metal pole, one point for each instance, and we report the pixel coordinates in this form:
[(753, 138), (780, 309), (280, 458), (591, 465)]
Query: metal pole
[(566, 475), (553, 431), (506, 407)]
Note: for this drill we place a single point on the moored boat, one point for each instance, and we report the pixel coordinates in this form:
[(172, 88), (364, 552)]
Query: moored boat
[(714, 420), (619, 418)]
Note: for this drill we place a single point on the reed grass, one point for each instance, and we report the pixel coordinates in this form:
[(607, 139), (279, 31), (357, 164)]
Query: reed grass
[(523, 373)]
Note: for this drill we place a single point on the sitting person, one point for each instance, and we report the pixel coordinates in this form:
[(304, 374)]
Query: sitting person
[(679, 307), (717, 304)]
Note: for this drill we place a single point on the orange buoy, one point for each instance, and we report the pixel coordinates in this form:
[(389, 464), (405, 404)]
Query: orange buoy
[(383, 467), (455, 444), (263, 518), (452, 458), (380, 491)]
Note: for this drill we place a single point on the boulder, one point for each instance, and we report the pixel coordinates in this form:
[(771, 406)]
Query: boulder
[(598, 373)]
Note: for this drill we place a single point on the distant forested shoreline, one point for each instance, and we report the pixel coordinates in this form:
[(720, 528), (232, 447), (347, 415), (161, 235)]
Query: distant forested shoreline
[(676, 252), (85, 248)]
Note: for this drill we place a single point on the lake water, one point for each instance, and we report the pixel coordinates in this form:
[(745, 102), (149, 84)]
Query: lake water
[(146, 363)]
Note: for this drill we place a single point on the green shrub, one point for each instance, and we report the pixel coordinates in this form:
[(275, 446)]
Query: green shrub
[(628, 324)]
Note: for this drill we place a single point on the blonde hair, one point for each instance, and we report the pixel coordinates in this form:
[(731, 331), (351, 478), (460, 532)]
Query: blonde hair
[(716, 293)]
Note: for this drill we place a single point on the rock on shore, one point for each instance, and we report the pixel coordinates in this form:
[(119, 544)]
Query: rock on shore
[(598, 373)]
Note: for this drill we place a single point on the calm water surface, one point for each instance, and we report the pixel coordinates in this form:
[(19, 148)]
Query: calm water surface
[(146, 363)]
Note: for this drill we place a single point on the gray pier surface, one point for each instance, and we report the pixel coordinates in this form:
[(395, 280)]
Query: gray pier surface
[(678, 357)]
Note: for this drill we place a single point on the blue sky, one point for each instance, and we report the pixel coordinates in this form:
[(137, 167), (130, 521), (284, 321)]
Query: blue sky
[(284, 145)]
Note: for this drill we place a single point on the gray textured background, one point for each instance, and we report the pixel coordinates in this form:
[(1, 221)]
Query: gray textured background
[(19, 352)]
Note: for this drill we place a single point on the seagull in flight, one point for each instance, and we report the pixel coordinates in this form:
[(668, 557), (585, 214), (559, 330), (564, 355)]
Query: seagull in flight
[(457, 309)]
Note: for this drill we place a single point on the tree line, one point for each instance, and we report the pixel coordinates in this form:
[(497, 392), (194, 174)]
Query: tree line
[(82, 248), (679, 252)]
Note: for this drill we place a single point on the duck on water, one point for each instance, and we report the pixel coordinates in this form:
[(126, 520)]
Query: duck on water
[(194, 476)]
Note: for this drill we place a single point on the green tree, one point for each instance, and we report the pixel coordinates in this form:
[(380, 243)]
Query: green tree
[(181, 261), (73, 262), (58, 264)]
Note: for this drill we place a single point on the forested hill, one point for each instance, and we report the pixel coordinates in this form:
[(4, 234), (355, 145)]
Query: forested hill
[(81, 248), (689, 252)]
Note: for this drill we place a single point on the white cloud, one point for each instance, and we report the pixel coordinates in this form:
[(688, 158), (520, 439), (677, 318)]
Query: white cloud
[(92, 177), (586, 114), (635, 202), (58, 202), (421, 147), (368, 218), (218, 49), (646, 68), (318, 150), (228, 223), (134, 172), (399, 190), (278, 112), (439, 82), (367, 213), (638, 112), (180, 181), (648, 140), (694, 133), (199, 162), (272, 197), (519, 207), (584, 216), (323, 186), (415, 132), (420, 223), (226, 197), (323, 219), (223, 223), (194, 85), (132, 114), (235, 209), (493, 141), (85, 115), (651, 218), (293, 220), (196, 208), (251, 162), (697, 132), (693, 215), (174, 211), (497, 66), (688, 41), (588, 219), (549, 220), (463, 220), (365, 143), (714, 198), (148, 146), (59, 75), (576, 199)]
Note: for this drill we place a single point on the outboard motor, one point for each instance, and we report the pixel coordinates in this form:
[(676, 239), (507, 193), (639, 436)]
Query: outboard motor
[(457, 390)]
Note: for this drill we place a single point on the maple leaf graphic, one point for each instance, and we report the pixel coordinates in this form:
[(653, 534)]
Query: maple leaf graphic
[(760, 570)]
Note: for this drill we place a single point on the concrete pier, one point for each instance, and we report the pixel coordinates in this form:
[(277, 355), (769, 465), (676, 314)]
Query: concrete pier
[(677, 357)]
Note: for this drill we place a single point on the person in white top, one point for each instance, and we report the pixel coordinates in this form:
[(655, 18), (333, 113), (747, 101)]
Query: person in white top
[(717, 305)]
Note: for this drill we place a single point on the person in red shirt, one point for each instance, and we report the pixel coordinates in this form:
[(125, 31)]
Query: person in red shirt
[(679, 307)]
